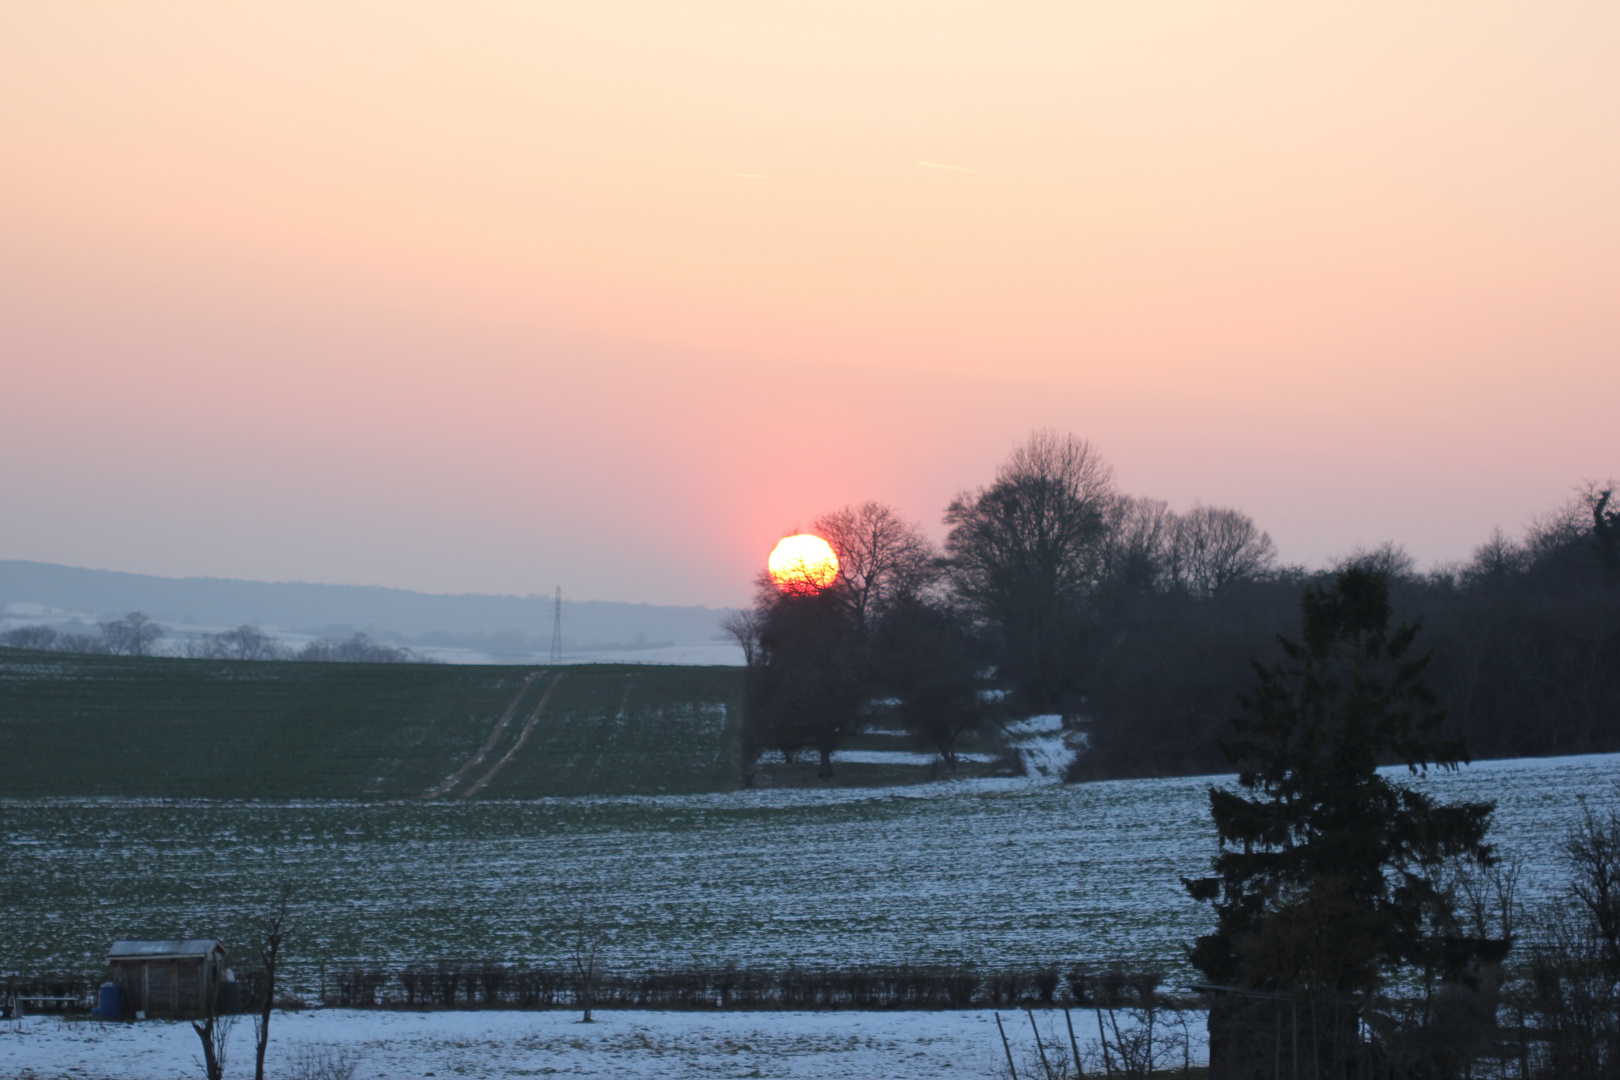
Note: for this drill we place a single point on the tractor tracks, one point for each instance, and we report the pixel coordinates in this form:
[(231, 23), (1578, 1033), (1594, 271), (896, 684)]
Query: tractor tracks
[(449, 785), (523, 737)]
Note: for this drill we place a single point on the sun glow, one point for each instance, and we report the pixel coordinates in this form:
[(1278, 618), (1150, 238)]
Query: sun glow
[(803, 564)]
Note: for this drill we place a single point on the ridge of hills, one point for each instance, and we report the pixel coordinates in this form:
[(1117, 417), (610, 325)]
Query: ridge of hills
[(399, 615)]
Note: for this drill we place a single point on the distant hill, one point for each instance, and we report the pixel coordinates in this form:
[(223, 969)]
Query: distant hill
[(504, 628), (160, 727)]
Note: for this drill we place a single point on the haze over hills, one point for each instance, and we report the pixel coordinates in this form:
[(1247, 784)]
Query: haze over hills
[(468, 627)]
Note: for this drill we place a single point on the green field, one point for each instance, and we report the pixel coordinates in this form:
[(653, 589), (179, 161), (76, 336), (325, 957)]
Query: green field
[(995, 872), (101, 726)]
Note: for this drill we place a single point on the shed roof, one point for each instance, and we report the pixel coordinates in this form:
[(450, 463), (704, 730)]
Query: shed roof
[(164, 947)]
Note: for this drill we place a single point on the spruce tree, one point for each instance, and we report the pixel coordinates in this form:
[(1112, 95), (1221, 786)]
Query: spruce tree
[(1326, 879)]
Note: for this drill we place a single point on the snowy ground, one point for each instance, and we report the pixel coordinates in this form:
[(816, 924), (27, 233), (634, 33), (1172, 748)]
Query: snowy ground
[(471, 1045), (1047, 749), (998, 872), (899, 757)]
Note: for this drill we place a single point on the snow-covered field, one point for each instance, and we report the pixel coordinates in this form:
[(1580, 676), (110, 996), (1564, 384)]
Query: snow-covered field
[(1024, 872), (475, 1045)]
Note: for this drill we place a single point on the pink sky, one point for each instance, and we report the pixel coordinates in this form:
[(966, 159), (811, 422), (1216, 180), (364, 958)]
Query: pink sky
[(493, 298)]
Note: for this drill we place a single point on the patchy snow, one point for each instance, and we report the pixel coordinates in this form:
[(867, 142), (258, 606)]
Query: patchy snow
[(1047, 749), (987, 871), (874, 757), (1035, 725), (473, 1044), (1047, 757), (900, 757)]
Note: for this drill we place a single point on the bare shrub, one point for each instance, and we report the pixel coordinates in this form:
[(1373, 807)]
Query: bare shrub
[(215, 1034), (316, 1061)]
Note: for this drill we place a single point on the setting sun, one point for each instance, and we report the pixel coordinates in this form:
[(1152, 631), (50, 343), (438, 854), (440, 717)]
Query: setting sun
[(803, 564)]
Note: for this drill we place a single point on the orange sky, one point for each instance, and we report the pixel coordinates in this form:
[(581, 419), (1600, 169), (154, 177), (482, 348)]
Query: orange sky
[(498, 297)]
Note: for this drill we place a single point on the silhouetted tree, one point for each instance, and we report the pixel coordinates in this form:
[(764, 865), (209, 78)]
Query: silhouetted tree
[(1138, 548), (1389, 559), (1325, 879), (811, 652), (272, 926), (30, 637), (883, 560), (744, 628), (1605, 526), (807, 688), (358, 649), (244, 643), (1496, 562), (1211, 548), (1592, 853), (1161, 679), (928, 658), (1026, 554), (133, 635)]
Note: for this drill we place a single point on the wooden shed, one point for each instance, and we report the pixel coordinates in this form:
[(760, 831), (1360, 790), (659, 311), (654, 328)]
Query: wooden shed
[(176, 977), (1268, 1035)]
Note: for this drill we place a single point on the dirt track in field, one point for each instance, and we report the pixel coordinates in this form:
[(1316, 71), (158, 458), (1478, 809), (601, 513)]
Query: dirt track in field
[(471, 763), (523, 737)]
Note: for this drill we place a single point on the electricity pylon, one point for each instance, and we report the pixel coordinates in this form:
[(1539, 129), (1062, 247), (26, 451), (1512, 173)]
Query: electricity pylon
[(556, 629)]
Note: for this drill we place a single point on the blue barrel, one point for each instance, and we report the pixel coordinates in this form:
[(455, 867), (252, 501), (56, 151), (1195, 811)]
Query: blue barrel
[(110, 1002)]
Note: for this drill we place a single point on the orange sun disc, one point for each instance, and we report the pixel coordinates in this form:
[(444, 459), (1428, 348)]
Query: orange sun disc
[(803, 564)]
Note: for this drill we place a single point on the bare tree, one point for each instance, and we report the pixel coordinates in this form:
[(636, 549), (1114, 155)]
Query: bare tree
[(1496, 561), (882, 559), (1213, 548), (1026, 552), (356, 649), (1605, 524), (214, 1031), (243, 643), (587, 972), (250, 643), (1563, 527), (133, 635), (1592, 853), (30, 637), (744, 627), (315, 1062), (1139, 546), (272, 926), (201, 647), (1389, 558)]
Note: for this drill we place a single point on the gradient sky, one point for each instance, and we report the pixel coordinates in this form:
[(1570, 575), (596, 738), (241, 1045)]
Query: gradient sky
[(464, 297)]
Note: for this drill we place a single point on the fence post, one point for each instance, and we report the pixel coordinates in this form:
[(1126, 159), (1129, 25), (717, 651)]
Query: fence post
[(1074, 1044), (1007, 1047), (1045, 1065)]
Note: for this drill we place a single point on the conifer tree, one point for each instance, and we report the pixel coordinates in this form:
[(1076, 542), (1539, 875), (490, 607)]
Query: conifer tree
[(1326, 880)]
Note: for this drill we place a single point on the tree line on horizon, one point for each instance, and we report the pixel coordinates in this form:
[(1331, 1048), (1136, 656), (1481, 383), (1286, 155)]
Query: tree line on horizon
[(138, 635), (1055, 592)]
